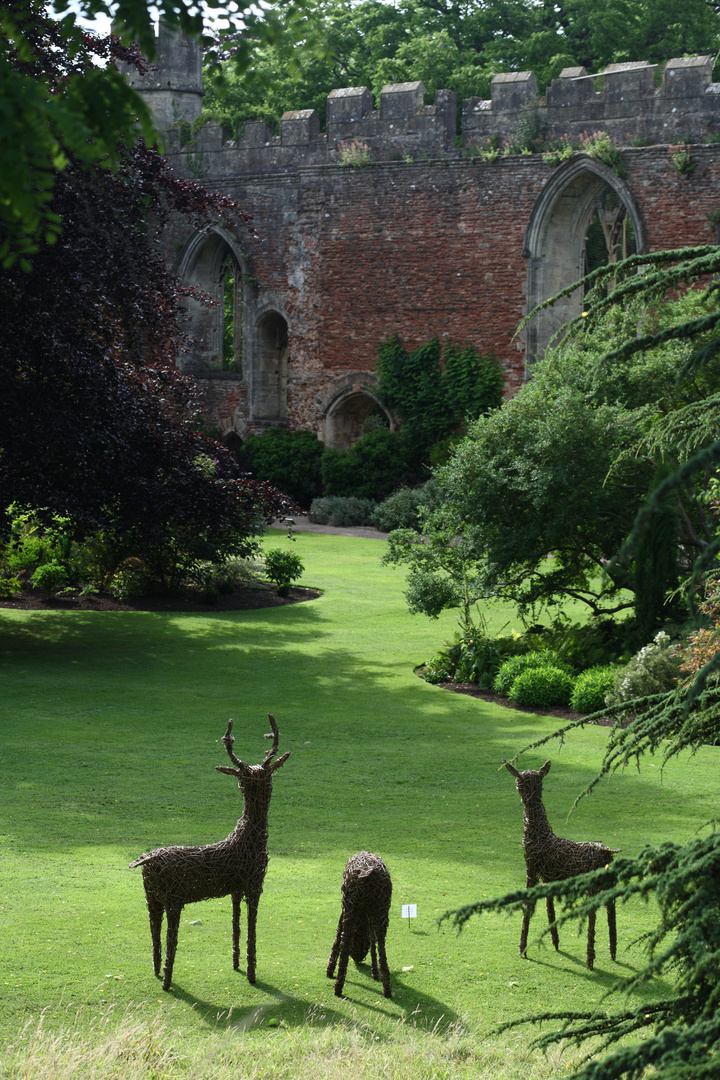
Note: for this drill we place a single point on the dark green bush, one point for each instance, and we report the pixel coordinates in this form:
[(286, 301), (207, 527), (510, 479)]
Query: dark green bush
[(472, 657), (342, 513), (370, 469), (586, 645), (514, 666), (541, 687), (400, 510), (290, 460), (590, 688), (130, 582), (50, 577), (282, 568)]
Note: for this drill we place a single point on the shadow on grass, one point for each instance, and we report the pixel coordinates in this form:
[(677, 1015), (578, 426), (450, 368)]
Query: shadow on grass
[(133, 705), (607, 978), (292, 1011)]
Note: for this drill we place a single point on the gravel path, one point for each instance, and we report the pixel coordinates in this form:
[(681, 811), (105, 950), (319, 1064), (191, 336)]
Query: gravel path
[(303, 524)]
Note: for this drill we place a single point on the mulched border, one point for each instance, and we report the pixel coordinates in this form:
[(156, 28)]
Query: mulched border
[(241, 600), (569, 715)]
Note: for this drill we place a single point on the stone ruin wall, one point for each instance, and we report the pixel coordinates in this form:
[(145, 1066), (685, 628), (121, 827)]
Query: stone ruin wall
[(427, 239)]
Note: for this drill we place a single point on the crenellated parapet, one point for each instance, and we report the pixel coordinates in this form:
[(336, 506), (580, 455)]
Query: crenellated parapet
[(403, 128), (623, 101)]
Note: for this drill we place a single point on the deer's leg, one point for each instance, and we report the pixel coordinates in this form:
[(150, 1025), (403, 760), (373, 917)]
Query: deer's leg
[(373, 958), (172, 915), (335, 950), (345, 937), (236, 902), (252, 903), (529, 882), (551, 920), (591, 940), (384, 969), (155, 911), (612, 928)]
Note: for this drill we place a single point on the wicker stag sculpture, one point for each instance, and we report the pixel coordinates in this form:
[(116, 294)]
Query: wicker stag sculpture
[(175, 876), (550, 858), (366, 894)]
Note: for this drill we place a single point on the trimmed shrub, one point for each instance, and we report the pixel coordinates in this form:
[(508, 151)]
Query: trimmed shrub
[(541, 687), (400, 510), (341, 512), (289, 460), (513, 667), (370, 469), (282, 568), (591, 688)]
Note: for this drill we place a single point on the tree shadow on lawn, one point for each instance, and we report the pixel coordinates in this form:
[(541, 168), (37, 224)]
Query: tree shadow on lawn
[(606, 974), (427, 1011), (109, 701)]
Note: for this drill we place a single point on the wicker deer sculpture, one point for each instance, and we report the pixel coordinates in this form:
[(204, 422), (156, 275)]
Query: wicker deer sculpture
[(550, 858), (175, 876), (366, 893)]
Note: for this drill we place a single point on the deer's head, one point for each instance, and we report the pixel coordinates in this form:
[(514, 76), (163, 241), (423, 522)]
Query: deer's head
[(255, 781), (528, 783)]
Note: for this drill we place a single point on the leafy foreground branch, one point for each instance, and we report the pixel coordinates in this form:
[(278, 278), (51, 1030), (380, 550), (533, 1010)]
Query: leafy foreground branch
[(684, 1028), (681, 1031)]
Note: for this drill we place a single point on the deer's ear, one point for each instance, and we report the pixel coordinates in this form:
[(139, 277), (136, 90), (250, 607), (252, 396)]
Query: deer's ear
[(510, 768), (545, 769)]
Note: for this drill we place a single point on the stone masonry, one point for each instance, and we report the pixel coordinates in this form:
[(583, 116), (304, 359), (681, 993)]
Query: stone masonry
[(428, 238)]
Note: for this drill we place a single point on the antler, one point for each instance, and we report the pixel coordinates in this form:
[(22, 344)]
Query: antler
[(275, 736), (228, 742)]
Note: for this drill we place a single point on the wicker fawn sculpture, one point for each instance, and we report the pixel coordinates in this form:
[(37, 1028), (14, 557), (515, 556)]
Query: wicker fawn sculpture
[(175, 876), (550, 858), (366, 895)]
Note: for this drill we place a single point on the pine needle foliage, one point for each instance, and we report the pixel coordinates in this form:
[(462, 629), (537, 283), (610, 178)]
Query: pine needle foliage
[(679, 1035)]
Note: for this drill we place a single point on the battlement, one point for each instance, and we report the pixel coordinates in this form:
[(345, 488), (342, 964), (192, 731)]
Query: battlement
[(622, 100), (403, 128)]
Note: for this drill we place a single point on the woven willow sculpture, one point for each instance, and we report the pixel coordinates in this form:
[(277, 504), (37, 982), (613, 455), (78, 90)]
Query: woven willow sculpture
[(175, 876), (550, 858), (366, 894)]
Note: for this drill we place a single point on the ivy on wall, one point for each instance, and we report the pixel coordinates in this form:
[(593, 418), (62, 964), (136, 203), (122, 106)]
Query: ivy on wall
[(435, 390)]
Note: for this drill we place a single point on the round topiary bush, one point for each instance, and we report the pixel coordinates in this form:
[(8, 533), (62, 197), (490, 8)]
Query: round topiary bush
[(590, 688), (510, 669), (541, 687)]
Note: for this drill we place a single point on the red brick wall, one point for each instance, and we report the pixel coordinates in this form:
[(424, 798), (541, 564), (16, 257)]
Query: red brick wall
[(353, 254)]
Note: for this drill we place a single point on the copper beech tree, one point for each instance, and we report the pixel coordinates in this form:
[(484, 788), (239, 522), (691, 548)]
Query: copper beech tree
[(96, 422)]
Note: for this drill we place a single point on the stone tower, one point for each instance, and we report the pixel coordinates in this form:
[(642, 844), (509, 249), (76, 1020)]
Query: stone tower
[(172, 88)]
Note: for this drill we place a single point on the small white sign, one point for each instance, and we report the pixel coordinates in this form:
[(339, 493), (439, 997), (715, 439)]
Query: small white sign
[(409, 911)]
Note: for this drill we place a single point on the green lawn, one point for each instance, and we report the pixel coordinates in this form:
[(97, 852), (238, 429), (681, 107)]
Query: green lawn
[(111, 726)]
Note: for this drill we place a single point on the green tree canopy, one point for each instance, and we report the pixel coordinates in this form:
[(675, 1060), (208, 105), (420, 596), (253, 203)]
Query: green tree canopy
[(562, 469), (459, 46), (679, 1031)]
